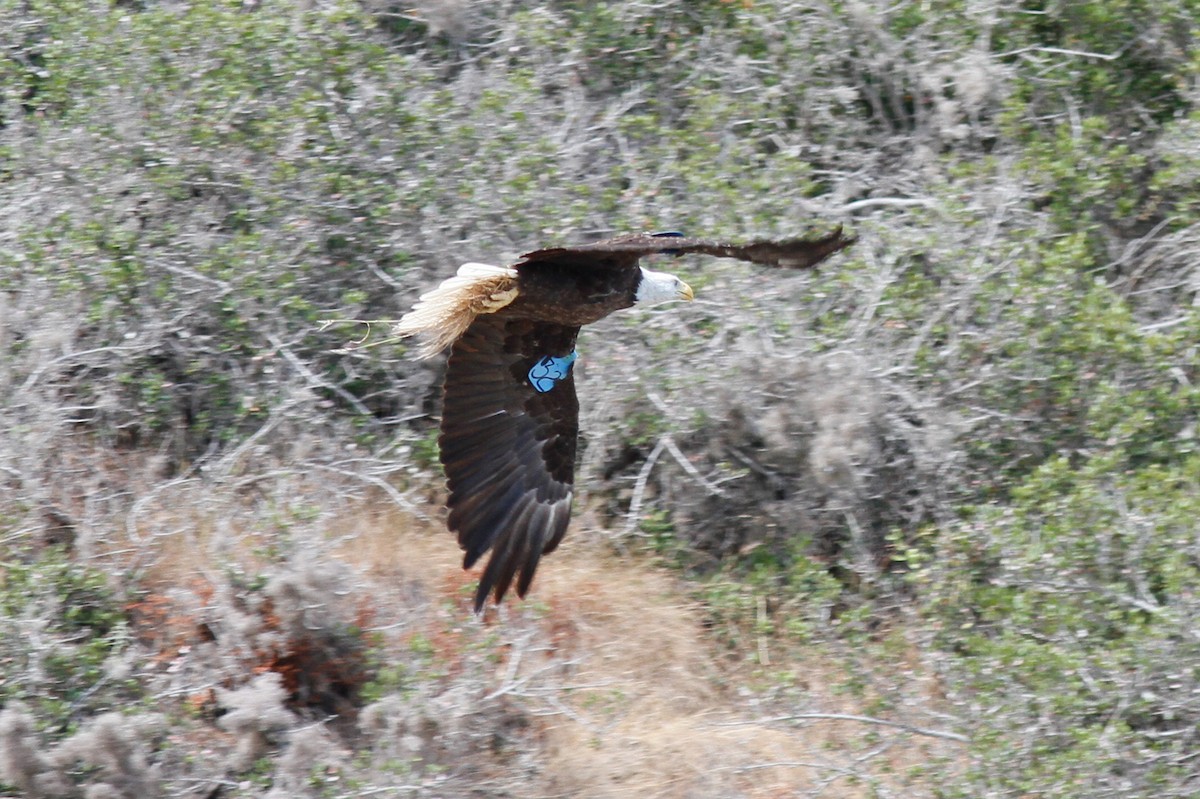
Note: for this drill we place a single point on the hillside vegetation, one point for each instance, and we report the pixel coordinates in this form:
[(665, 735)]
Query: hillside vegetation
[(921, 524)]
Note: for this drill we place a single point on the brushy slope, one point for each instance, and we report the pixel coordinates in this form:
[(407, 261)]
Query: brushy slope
[(921, 524)]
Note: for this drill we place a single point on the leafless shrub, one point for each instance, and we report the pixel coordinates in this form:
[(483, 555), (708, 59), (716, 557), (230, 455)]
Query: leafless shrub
[(116, 746), (311, 750), (254, 713), (1136, 255), (23, 760), (438, 728), (111, 748), (809, 448), (302, 625), (1158, 275)]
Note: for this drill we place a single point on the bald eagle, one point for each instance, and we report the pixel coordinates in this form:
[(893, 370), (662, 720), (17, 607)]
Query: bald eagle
[(510, 417)]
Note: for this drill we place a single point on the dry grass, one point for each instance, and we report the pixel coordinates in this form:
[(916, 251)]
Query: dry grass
[(644, 704)]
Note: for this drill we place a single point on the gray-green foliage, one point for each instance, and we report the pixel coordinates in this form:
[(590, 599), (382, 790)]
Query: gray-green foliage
[(1070, 611), (66, 636), (985, 414)]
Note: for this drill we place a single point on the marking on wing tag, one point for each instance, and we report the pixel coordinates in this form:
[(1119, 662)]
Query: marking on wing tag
[(547, 372)]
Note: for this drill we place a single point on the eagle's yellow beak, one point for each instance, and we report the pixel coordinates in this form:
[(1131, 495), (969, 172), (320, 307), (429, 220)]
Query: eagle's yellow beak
[(685, 292)]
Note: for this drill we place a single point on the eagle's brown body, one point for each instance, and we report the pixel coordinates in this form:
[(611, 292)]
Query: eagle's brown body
[(559, 293), (510, 417)]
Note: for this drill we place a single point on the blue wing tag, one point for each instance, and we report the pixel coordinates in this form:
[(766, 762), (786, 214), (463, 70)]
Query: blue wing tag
[(545, 374)]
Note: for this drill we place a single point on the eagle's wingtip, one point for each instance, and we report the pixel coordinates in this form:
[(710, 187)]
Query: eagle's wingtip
[(481, 596)]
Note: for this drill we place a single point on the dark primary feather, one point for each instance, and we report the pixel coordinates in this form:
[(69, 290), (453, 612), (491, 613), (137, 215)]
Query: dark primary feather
[(797, 253), (508, 450)]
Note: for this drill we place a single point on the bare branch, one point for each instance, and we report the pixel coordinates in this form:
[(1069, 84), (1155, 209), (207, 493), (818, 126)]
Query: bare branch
[(949, 736)]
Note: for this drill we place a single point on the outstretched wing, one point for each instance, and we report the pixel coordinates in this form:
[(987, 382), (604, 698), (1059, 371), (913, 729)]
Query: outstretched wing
[(797, 253), (508, 445)]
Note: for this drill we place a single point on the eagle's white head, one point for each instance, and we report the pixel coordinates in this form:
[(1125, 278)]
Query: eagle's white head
[(656, 287)]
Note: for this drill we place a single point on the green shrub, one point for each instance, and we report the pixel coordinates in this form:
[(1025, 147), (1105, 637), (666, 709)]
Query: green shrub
[(1067, 611), (75, 623)]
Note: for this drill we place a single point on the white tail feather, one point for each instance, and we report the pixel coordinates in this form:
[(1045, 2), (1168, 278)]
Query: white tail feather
[(442, 315), (471, 269)]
